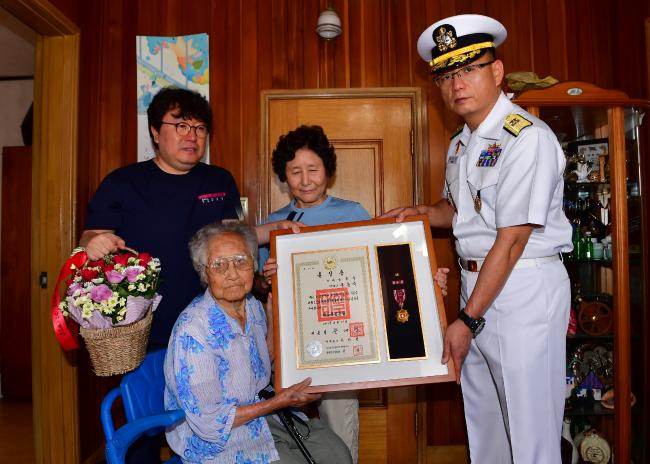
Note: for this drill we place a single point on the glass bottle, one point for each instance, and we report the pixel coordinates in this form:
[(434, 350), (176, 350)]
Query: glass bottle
[(588, 246), (577, 242)]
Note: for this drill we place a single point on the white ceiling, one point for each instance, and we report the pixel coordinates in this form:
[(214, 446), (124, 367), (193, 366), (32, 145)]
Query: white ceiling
[(16, 47)]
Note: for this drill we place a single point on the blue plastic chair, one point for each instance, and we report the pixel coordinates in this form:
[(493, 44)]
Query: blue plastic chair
[(142, 393)]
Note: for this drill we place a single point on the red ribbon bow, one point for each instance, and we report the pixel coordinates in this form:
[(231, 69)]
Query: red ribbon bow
[(66, 331)]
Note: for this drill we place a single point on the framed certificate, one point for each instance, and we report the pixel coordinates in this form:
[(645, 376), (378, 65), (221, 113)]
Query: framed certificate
[(355, 306)]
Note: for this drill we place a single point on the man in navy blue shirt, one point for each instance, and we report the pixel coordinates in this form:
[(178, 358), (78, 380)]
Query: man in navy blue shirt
[(156, 206)]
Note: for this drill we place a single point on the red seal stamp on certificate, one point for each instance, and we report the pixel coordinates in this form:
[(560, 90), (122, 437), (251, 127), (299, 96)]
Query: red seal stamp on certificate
[(356, 329), (357, 350), (333, 304)]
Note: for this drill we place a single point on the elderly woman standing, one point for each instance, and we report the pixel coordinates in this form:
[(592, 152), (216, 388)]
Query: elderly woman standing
[(218, 360)]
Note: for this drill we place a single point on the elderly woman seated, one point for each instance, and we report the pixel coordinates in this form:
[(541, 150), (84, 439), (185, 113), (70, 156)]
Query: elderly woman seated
[(218, 360)]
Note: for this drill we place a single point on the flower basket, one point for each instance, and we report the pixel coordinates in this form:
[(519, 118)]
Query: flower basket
[(117, 350), (111, 301)]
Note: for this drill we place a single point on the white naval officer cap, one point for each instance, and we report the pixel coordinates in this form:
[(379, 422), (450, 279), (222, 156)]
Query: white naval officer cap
[(455, 41)]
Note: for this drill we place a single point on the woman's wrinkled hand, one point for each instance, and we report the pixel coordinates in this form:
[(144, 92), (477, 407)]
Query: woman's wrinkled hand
[(295, 396)]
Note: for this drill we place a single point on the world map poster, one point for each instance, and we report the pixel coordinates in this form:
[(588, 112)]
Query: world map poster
[(181, 61)]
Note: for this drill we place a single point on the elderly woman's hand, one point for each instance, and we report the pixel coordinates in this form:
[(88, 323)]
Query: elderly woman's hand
[(295, 395)]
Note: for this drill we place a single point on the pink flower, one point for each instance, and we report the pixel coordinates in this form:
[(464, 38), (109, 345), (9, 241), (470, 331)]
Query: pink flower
[(132, 273), (115, 277), (101, 293)]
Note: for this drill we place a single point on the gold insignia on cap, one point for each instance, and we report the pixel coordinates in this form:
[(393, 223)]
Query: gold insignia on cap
[(445, 39), (458, 56), (515, 123)]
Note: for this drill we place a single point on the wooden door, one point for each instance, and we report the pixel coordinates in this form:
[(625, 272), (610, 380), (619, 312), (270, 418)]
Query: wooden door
[(15, 317), (376, 136)]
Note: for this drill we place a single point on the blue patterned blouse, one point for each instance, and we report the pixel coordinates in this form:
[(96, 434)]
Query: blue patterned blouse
[(211, 368)]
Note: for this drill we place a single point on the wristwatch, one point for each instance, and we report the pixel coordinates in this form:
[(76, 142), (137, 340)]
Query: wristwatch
[(475, 325)]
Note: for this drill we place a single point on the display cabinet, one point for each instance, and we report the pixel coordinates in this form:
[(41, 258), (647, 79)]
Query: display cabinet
[(607, 351)]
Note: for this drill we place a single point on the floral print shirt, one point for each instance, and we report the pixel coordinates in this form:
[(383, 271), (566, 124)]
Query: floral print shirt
[(211, 368)]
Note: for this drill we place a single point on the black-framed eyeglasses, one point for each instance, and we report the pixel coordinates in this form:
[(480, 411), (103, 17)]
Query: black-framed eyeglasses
[(183, 128), (240, 262), (462, 73)]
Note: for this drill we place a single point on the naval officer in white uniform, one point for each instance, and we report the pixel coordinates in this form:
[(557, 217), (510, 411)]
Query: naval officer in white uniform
[(503, 199)]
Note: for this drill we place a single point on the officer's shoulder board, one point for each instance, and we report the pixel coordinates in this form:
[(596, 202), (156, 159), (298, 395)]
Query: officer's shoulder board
[(458, 130), (515, 123)]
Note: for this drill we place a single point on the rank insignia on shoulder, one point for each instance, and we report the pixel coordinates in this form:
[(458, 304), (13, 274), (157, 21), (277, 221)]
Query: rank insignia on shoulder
[(458, 130), (515, 123), (489, 157)]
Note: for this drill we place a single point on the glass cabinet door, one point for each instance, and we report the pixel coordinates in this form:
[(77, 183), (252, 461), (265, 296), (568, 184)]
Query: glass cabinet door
[(638, 274), (606, 360), (584, 135)]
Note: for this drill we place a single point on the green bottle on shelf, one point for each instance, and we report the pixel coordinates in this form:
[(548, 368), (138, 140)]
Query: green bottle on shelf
[(577, 242), (588, 246)]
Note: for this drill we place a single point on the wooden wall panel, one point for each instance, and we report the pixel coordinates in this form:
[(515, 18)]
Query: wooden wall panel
[(271, 44)]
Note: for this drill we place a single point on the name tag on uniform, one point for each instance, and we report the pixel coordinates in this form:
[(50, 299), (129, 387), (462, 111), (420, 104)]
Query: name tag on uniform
[(489, 157), (452, 160)]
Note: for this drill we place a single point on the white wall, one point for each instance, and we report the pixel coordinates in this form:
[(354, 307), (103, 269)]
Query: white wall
[(16, 59)]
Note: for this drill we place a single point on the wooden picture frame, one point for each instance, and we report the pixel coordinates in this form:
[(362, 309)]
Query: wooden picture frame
[(355, 306)]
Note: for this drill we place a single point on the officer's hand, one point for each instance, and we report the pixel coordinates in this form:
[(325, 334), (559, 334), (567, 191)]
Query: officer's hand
[(400, 213), (441, 279), (103, 244), (456, 345)]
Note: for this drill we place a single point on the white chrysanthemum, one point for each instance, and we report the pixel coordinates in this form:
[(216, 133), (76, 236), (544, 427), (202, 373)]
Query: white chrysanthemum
[(87, 310), (114, 299), (131, 287), (98, 280), (122, 301), (82, 300), (142, 287), (105, 308)]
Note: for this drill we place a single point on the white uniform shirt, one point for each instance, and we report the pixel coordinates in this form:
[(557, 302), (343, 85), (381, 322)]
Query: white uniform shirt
[(524, 186)]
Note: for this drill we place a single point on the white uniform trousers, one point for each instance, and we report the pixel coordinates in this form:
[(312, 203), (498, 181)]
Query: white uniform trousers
[(513, 379), (340, 411)]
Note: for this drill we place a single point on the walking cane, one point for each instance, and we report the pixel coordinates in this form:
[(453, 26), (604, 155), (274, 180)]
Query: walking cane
[(287, 421)]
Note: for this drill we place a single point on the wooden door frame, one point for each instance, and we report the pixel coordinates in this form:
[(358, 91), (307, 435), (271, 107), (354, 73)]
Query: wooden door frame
[(418, 116), (56, 84)]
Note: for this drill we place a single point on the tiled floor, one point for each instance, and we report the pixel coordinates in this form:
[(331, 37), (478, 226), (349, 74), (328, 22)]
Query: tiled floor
[(16, 434)]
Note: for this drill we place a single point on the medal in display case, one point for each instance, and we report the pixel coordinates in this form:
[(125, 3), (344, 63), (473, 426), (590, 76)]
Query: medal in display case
[(607, 353)]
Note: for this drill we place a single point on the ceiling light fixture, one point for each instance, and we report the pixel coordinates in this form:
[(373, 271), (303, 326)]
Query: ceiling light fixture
[(329, 24)]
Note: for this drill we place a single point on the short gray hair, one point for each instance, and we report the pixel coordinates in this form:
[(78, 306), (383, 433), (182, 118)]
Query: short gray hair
[(199, 243)]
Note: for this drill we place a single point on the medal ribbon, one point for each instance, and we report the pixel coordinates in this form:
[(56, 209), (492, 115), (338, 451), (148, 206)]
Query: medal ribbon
[(400, 296), (66, 332)]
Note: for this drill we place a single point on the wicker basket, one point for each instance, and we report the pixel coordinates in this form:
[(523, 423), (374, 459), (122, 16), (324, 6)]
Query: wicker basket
[(120, 349)]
